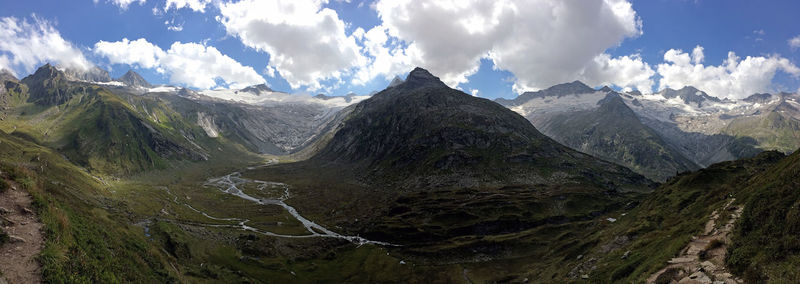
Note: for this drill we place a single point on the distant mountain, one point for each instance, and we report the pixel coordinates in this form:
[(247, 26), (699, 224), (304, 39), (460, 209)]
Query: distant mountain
[(612, 131), (688, 95), (6, 75), (576, 87), (134, 80), (257, 89), (759, 98), (422, 128), (396, 81), (49, 86), (93, 74), (96, 129)]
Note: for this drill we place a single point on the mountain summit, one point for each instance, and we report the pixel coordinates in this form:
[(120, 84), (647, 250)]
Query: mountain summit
[(575, 87), (134, 80), (422, 129)]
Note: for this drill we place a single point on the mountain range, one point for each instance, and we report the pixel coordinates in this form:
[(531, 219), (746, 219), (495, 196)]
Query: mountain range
[(135, 182)]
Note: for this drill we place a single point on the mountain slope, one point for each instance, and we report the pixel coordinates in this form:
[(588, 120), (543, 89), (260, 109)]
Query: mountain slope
[(93, 127), (612, 131), (133, 79), (423, 128)]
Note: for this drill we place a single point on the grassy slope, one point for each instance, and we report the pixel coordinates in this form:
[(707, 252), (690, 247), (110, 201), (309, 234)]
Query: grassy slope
[(766, 242), (87, 239), (658, 228), (773, 131)]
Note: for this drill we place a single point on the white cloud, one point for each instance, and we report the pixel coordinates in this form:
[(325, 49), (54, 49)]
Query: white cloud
[(123, 4), (628, 72), (734, 78), (795, 42), (192, 64), (26, 45), (195, 5), (139, 52), (474, 92), (541, 42), (307, 44)]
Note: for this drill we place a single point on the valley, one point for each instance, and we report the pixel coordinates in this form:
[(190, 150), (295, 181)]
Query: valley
[(416, 183)]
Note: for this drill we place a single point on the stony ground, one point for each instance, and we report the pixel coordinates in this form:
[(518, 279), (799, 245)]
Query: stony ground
[(703, 259), (18, 256)]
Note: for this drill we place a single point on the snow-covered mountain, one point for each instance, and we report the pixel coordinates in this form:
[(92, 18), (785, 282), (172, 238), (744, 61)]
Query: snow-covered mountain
[(257, 117), (666, 129)]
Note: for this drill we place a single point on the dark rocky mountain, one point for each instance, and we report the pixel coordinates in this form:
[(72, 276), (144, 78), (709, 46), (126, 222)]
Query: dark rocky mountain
[(576, 87), (759, 98), (134, 80), (423, 132), (50, 86), (347, 98), (612, 131), (257, 89), (689, 94)]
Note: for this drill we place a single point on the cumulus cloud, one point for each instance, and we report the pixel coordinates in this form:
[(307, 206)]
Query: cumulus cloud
[(628, 72), (794, 42), (735, 78), (123, 4), (542, 42), (139, 52), (27, 44), (306, 43), (192, 64), (194, 5)]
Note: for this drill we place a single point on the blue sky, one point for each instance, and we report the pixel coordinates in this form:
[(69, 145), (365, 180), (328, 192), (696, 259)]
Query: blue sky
[(635, 39)]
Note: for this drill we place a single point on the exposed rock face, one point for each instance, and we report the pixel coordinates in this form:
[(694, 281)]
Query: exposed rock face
[(49, 86), (689, 94), (134, 80), (424, 128), (612, 131), (93, 74), (257, 89), (576, 87)]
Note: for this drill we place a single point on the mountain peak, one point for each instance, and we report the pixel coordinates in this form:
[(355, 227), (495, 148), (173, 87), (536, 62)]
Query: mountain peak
[(93, 74), (420, 77), (606, 89), (396, 81), (6, 75), (133, 79), (258, 89)]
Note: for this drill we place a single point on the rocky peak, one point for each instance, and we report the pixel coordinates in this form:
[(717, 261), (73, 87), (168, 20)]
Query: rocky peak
[(133, 79), (93, 74), (689, 94), (44, 72), (6, 75), (257, 89), (606, 89), (758, 98), (396, 81), (421, 78)]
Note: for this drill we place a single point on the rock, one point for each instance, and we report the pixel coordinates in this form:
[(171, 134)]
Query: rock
[(579, 257), (4, 211), (626, 254), (27, 211), (697, 277), (585, 276), (15, 239)]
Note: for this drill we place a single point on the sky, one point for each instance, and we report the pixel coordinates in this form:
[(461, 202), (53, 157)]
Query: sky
[(488, 48)]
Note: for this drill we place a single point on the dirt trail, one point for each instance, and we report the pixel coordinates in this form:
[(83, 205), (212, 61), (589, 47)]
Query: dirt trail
[(18, 256), (700, 262)]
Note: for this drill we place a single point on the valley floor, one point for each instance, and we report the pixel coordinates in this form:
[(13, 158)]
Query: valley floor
[(18, 262)]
